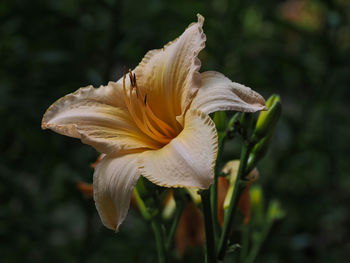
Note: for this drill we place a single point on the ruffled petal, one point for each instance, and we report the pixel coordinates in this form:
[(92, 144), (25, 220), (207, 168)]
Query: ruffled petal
[(170, 74), (114, 180), (99, 118), (188, 160), (219, 93)]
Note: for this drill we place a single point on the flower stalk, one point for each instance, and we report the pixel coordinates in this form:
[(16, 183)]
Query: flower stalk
[(150, 212), (210, 254), (214, 188), (229, 214), (159, 236), (180, 205)]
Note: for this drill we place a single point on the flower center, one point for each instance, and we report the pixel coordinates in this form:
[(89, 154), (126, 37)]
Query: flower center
[(144, 117)]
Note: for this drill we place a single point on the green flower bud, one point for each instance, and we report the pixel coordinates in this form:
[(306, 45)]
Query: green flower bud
[(258, 152), (275, 212), (256, 196), (268, 119), (257, 204)]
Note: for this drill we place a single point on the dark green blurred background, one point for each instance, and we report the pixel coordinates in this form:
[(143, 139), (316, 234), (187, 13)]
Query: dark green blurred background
[(48, 48)]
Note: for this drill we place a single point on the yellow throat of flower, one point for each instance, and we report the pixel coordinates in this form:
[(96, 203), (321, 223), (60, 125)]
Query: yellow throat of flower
[(144, 117)]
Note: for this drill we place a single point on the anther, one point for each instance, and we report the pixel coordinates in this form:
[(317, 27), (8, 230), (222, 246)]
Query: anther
[(145, 101), (132, 79)]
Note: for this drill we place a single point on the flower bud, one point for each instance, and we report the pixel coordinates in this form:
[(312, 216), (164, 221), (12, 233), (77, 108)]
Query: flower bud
[(257, 153), (257, 204), (268, 119), (275, 211)]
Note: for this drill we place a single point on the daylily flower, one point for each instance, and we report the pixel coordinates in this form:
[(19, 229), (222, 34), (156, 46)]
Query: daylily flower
[(154, 123)]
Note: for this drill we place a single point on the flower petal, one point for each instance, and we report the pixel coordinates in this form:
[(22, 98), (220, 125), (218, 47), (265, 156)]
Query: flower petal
[(188, 160), (98, 117), (220, 93), (114, 180), (171, 74)]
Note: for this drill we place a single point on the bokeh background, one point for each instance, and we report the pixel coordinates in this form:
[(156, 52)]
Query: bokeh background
[(299, 49)]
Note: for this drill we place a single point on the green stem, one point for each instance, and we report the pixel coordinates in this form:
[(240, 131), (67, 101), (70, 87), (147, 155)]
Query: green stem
[(180, 205), (229, 215), (214, 190), (159, 236), (141, 205), (156, 224), (210, 245), (245, 241)]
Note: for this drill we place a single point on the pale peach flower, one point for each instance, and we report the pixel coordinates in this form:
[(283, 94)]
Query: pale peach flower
[(154, 123)]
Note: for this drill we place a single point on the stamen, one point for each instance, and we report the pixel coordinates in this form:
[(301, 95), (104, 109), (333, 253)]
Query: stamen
[(132, 79), (150, 127), (166, 128), (144, 118)]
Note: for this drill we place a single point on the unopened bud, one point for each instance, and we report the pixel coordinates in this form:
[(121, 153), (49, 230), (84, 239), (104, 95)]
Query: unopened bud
[(256, 196), (275, 211), (257, 203), (268, 119), (257, 153)]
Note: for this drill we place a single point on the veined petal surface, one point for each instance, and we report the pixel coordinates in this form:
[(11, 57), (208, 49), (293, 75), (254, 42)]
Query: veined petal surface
[(188, 160), (98, 117), (170, 75), (219, 93), (114, 180)]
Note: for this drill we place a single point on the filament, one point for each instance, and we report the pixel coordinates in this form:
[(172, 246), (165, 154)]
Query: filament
[(142, 114)]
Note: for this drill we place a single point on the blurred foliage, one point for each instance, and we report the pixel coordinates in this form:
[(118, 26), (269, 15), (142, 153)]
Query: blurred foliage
[(299, 49)]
